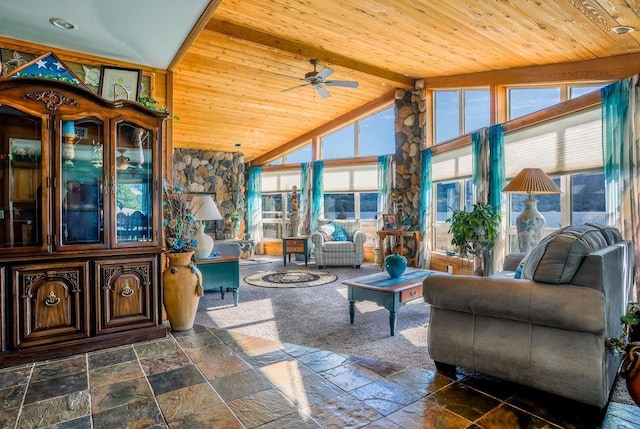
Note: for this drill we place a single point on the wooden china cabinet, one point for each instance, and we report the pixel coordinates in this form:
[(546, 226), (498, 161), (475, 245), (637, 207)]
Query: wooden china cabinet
[(80, 221)]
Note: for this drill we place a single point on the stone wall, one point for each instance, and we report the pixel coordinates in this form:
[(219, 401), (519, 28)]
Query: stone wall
[(410, 132), (221, 174)]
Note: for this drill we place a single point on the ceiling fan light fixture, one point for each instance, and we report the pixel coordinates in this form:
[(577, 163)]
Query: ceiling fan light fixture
[(622, 29), (63, 24)]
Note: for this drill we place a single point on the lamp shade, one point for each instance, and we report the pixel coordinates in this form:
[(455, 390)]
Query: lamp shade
[(532, 181), (204, 208)]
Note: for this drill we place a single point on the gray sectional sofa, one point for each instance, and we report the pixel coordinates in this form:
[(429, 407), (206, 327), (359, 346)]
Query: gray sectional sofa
[(547, 329)]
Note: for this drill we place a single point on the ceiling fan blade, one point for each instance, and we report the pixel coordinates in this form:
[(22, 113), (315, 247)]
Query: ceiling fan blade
[(294, 87), (343, 83), (322, 91), (324, 73)]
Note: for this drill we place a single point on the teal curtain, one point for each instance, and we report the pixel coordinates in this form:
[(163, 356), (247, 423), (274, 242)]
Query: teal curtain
[(385, 186), (480, 156), (496, 182), (317, 194), (425, 192), (425, 207), (305, 197), (496, 166), (621, 161), (615, 136), (254, 206)]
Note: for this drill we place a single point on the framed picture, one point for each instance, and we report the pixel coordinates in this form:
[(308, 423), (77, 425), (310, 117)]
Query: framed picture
[(119, 83), (389, 221)]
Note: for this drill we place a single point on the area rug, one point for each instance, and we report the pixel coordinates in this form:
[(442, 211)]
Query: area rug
[(290, 279)]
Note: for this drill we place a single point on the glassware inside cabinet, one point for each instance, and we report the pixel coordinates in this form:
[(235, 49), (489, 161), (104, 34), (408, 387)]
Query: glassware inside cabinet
[(82, 173), (21, 166), (134, 183)]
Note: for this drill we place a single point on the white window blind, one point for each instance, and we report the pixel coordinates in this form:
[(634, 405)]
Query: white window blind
[(351, 178), (452, 164), (280, 181), (558, 146)]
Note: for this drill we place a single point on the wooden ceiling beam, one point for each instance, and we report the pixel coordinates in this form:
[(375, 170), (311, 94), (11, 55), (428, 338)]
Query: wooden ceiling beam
[(193, 34), (258, 37), (601, 69)]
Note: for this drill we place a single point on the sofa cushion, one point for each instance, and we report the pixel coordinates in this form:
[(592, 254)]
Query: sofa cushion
[(558, 256), (610, 233), (339, 234), (327, 231)]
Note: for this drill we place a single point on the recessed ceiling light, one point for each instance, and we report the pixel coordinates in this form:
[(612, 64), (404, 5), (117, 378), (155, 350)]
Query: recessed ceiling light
[(622, 29), (62, 23), (238, 144)]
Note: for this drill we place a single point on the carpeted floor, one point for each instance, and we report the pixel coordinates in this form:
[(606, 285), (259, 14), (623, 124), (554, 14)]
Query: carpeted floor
[(319, 317)]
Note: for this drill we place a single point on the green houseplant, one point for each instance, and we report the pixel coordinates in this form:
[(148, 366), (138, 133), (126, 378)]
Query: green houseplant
[(628, 345), (481, 224)]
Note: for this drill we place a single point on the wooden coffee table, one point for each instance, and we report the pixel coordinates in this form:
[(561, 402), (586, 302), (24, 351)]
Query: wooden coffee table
[(386, 291)]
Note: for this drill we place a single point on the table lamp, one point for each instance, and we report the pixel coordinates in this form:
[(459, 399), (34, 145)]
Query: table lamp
[(530, 223), (204, 208)]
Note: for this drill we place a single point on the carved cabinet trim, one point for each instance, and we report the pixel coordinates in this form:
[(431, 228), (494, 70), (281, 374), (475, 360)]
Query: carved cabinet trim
[(125, 294), (50, 303)]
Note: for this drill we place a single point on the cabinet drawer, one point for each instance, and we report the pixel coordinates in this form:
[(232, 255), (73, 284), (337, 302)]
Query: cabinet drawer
[(295, 248), (126, 294), (51, 303), (296, 242), (410, 294)]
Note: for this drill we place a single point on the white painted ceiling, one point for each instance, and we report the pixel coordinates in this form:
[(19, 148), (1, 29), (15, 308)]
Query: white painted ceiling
[(147, 32)]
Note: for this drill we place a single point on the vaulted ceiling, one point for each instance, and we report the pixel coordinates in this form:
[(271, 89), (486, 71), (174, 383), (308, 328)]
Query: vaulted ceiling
[(238, 56)]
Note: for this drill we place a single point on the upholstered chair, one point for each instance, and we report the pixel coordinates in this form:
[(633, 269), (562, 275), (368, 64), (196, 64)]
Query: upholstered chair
[(334, 249)]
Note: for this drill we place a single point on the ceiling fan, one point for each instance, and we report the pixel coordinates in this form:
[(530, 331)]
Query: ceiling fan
[(317, 79)]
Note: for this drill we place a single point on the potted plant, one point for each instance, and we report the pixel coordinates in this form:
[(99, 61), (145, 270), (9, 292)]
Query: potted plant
[(628, 345), (182, 281), (474, 232)]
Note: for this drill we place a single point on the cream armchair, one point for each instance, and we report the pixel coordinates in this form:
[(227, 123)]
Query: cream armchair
[(349, 252)]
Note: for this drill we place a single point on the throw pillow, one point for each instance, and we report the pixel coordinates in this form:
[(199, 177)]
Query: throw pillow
[(327, 231), (339, 234)]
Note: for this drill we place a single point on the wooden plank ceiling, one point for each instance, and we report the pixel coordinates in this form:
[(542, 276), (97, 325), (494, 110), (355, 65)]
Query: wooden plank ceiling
[(228, 86)]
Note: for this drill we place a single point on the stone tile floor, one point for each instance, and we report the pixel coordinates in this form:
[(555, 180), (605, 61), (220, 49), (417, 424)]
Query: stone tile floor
[(208, 378)]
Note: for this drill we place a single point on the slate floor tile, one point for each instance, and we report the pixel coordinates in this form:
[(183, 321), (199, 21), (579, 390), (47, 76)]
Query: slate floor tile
[(385, 396), (464, 401), (241, 384), (55, 410), (139, 414), (262, 407), (175, 379)]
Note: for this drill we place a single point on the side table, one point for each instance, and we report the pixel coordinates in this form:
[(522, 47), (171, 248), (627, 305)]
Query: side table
[(295, 245), (396, 238), (221, 273)]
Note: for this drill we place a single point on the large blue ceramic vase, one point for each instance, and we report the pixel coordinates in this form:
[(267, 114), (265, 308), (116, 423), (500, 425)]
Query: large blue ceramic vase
[(395, 265)]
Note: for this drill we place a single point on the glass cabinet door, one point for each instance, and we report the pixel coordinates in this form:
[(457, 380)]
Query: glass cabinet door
[(21, 171), (134, 183), (80, 187)]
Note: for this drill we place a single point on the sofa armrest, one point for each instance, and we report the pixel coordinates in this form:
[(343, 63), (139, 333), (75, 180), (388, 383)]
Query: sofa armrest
[(512, 260), (558, 306), (359, 238), (317, 239), (223, 248)]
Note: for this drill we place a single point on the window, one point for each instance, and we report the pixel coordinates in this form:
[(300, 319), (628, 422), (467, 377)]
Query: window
[(459, 111), (377, 134), (304, 154), (577, 91), (339, 206), (523, 101), (339, 144), (448, 199), (587, 198)]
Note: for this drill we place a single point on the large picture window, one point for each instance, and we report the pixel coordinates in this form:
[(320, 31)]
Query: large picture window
[(457, 112)]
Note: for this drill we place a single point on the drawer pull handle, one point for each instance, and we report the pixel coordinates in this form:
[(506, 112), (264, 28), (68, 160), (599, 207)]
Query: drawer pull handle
[(414, 292), (126, 291), (51, 300)]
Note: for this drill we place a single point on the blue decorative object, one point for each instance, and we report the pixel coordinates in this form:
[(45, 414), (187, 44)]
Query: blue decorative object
[(339, 234), (395, 265)]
